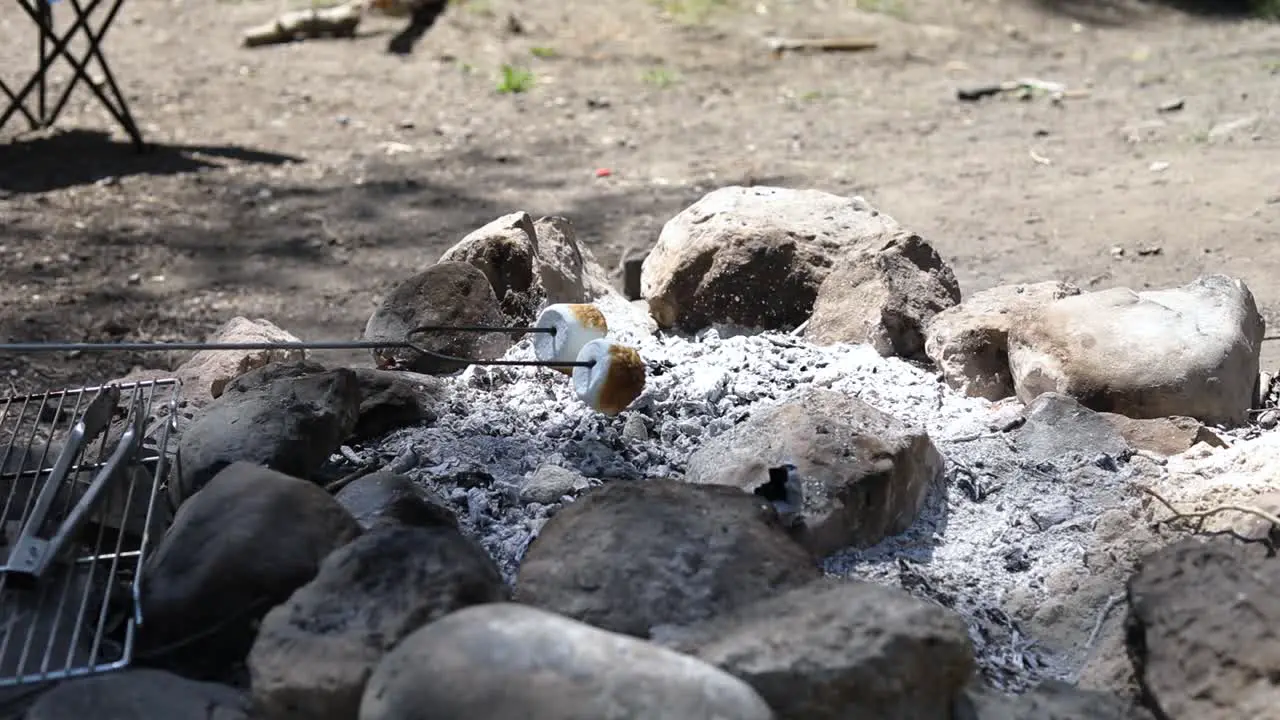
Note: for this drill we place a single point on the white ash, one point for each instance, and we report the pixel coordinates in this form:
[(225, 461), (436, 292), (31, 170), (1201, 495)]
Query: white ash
[(502, 423)]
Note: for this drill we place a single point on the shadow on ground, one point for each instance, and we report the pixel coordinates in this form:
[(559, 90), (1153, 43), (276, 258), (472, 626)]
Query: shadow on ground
[(313, 257), (1125, 12), (62, 159)]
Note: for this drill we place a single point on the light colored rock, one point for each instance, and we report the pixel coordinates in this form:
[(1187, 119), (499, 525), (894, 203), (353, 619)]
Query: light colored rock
[(207, 373), (315, 652), (568, 270), (754, 256), (1163, 436), (837, 649), (1191, 350), (840, 471), (884, 296), (628, 320), (550, 483), (504, 250), (503, 661), (970, 342), (629, 556), (531, 264), (1247, 473), (1254, 526)]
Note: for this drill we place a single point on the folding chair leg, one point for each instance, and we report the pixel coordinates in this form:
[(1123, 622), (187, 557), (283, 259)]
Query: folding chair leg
[(116, 104), (18, 101), (18, 106), (37, 81), (119, 109), (45, 21)]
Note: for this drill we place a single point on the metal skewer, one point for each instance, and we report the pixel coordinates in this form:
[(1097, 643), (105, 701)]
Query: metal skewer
[(405, 344)]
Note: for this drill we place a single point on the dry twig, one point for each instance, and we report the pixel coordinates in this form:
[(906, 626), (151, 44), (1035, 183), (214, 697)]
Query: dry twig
[(1196, 519), (337, 485), (1112, 602), (1110, 605), (1201, 516)]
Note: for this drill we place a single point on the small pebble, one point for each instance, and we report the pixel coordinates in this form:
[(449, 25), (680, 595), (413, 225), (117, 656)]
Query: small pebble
[(633, 430)]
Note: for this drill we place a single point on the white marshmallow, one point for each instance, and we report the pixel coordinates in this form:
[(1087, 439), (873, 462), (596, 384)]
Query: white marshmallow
[(614, 380), (575, 325)]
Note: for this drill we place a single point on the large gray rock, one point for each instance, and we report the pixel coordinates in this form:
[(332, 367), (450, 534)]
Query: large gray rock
[(387, 498), (884, 296), (140, 695), (315, 652), (632, 555), (392, 400), (1052, 700), (970, 342), (530, 264), (503, 661), (837, 649), (1191, 350), (754, 256), (237, 548), (841, 472), (445, 294), (289, 418), (388, 399), (1057, 428), (1202, 631)]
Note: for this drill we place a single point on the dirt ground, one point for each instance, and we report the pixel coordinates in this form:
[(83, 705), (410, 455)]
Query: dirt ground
[(298, 182)]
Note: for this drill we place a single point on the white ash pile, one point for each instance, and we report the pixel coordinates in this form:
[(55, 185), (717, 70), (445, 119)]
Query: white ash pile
[(501, 429)]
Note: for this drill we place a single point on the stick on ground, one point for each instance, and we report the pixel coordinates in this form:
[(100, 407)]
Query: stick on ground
[(336, 21), (778, 46)]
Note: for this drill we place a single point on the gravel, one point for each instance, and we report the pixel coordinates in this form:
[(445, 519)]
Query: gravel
[(1005, 523)]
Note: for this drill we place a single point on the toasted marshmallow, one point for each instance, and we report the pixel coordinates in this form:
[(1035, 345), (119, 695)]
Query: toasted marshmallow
[(615, 378), (575, 325)]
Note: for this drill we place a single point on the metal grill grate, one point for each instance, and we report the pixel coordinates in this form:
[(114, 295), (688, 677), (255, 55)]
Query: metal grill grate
[(80, 615)]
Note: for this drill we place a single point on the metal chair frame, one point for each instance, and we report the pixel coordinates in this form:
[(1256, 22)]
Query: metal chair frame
[(52, 47)]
